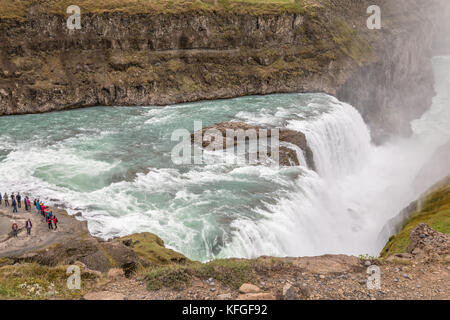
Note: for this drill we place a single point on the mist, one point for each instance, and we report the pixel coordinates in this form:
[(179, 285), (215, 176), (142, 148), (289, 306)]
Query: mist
[(441, 40)]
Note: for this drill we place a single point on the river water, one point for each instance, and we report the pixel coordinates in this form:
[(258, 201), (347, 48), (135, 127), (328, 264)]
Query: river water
[(114, 165)]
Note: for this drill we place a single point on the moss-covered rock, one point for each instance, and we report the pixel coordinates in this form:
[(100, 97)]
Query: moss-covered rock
[(151, 250)]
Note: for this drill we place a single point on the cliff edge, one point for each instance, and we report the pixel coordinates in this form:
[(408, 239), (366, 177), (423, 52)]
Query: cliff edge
[(165, 52)]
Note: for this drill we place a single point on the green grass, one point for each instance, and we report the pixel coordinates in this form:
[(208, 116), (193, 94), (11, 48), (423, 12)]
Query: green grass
[(19, 8), (350, 43), (16, 282), (435, 212), (230, 272)]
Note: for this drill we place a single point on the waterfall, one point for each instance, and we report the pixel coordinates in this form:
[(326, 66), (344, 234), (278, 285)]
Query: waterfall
[(114, 165), (358, 186)]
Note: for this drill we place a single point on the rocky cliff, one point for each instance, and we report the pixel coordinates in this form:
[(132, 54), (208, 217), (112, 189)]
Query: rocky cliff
[(144, 55)]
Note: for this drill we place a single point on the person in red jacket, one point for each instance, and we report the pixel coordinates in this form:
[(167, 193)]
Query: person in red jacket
[(15, 229), (55, 222)]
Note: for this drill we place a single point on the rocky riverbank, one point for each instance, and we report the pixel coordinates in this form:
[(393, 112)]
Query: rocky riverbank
[(414, 265), (169, 53)]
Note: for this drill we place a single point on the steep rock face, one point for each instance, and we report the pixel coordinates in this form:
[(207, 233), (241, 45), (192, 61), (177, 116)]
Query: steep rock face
[(158, 58), (396, 89)]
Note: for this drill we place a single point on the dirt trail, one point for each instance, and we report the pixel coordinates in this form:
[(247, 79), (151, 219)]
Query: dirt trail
[(346, 279)]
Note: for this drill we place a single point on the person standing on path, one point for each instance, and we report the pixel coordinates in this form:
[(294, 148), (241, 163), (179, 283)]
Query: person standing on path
[(19, 200), (55, 222), (5, 197), (27, 203), (50, 224), (38, 207), (0, 198), (14, 205), (15, 229), (28, 225)]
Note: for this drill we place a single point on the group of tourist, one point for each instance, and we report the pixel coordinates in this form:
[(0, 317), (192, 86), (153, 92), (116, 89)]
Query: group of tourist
[(16, 202), (48, 215)]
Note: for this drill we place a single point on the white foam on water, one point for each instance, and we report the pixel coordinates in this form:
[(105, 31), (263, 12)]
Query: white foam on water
[(241, 210), (359, 186)]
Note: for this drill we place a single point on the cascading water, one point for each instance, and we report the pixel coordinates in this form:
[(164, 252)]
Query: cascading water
[(113, 164)]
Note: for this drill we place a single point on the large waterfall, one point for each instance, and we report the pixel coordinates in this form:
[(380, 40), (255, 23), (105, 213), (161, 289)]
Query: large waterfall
[(114, 165)]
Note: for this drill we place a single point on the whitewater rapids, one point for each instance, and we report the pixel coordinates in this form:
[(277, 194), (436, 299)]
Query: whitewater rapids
[(113, 165)]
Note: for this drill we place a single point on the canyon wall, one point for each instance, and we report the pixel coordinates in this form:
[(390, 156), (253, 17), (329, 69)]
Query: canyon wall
[(158, 58)]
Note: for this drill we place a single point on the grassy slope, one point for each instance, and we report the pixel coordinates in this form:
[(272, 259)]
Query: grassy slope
[(435, 212), (19, 8), (31, 281), (229, 272)]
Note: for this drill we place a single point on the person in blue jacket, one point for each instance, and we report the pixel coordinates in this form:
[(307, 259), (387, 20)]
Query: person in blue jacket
[(14, 205), (38, 207)]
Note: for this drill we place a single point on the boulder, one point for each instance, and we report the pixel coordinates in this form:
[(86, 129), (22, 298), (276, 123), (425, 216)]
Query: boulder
[(290, 292), (249, 288), (150, 250), (121, 256), (305, 290), (287, 156)]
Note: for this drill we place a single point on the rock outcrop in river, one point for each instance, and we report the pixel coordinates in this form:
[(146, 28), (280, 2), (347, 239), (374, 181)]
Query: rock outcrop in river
[(165, 55), (287, 155)]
